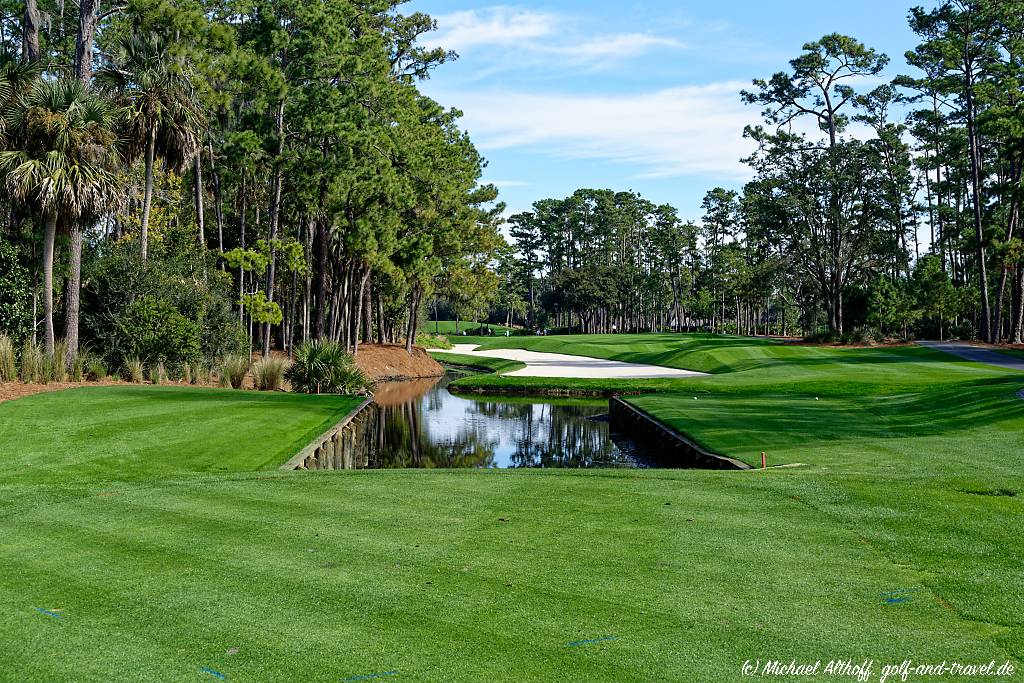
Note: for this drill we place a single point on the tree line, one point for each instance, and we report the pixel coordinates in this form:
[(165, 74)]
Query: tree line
[(824, 240), (184, 178)]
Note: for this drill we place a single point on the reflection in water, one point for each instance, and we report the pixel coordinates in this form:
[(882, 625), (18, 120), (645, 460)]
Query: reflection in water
[(420, 424)]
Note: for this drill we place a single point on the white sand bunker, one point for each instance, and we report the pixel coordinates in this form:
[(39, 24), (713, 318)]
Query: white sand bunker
[(540, 364)]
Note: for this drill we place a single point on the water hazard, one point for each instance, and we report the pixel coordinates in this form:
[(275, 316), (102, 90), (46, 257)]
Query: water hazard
[(420, 424)]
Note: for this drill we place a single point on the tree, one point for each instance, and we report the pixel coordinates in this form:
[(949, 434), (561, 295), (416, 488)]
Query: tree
[(818, 87), (161, 111), (65, 164), (960, 44)]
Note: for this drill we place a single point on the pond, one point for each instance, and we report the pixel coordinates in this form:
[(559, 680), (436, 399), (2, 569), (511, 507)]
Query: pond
[(420, 424)]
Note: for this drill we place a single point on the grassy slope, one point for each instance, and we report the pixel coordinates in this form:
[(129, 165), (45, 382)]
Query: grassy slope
[(743, 365), (326, 576), (496, 365), (911, 450)]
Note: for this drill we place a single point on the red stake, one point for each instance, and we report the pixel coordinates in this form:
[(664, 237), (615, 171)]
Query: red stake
[(764, 461)]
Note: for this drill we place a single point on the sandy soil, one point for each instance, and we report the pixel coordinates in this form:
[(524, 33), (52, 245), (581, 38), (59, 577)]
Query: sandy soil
[(15, 390), (561, 365), (382, 362)]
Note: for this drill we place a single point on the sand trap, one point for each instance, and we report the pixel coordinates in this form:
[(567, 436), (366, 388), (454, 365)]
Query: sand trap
[(540, 364)]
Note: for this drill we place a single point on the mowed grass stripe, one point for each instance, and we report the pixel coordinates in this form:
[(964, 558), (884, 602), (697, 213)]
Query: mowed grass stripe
[(802, 607)]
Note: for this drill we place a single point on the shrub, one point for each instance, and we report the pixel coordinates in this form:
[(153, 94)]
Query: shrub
[(200, 374), (160, 310), (186, 374), (78, 366), (8, 360), (235, 368), (158, 373), (31, 362), (95, 369), (134, 371), (822, 337), (432, 341), (223, 381), (59, 361), (15, 294), (269, 373), (324, 367), (45, 374)]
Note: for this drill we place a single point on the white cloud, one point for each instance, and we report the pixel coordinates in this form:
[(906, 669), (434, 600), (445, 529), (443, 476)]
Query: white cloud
[(494, 26), (526, 35), (690, 130), (624, 45)]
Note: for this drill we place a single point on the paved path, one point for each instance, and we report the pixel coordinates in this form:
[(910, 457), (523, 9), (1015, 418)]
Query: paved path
[(978, 354), (562, 365)]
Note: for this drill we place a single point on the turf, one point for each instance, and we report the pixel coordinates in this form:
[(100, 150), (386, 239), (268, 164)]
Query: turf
[(495, 365), (744, 365), (447, 327), (160, 549)]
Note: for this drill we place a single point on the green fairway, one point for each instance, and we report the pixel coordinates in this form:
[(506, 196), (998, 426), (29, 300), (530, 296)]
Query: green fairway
[(453, 328), (147, 535)]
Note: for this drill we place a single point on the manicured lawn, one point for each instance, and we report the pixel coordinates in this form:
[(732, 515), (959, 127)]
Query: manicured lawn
[(744, 365), (497, 365), (448, 327), (900, 539)]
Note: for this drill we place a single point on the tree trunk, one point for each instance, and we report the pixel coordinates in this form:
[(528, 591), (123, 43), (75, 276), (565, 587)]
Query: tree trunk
[(49, 237), (320, 279), (368, 314), (200, 208), (997, 323), (88, 15), (31, 32), (979, 231), (307, 292), (73, 294), (358, 314), (218, 205), (275, 215), (147, 200), (410, 334), (1017, 331)]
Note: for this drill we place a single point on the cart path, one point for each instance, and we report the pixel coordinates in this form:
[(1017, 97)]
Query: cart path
[(977, 354), (539, 364)]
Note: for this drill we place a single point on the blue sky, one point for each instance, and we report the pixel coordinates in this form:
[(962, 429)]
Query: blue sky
[(628, 95)]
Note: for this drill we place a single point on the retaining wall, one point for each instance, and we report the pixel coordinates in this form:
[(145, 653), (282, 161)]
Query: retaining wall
[(672, 448)]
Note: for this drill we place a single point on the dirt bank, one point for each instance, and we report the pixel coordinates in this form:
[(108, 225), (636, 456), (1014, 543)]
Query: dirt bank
[(383, 362), (15, 390)]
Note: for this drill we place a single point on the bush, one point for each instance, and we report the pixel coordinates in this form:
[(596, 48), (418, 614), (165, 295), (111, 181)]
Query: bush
[(45, 374), (134, 371), (175, 308), (269, 373), (158, 373), (15, 295), (59, 361), (200, 374), (822, 337), (234, 368), (78, 367), (323, 367), (8, 360), (432, 341), (31, 363), (95, 369)]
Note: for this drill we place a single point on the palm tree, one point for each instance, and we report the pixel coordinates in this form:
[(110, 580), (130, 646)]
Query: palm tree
[(63, 161), (163, 115)]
